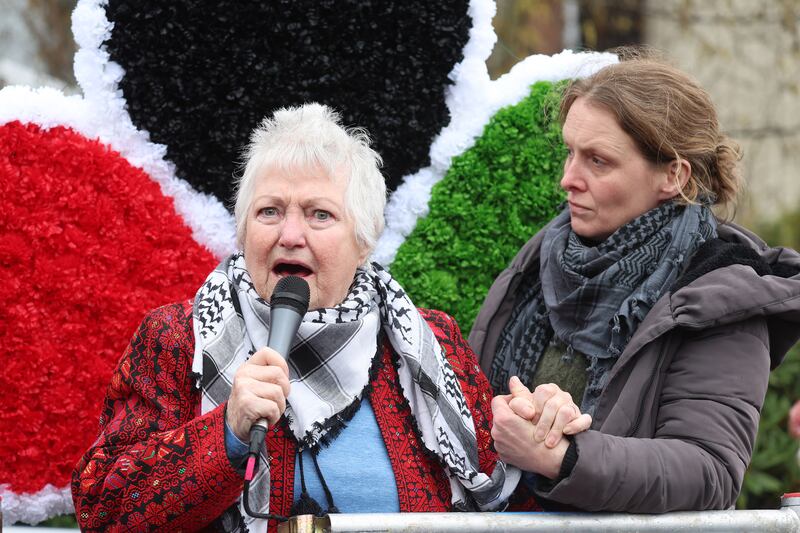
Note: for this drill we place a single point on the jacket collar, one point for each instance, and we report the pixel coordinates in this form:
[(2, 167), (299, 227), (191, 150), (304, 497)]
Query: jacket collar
[(732, 278)]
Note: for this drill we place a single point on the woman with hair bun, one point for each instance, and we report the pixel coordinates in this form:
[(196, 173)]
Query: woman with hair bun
[(637, 313)]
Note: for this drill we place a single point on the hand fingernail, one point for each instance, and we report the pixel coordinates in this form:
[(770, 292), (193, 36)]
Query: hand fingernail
[(551, 441)]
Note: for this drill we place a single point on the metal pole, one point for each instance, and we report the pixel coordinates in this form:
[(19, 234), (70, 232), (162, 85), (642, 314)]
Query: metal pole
[(571, 35), (777, 521), (784, 520)]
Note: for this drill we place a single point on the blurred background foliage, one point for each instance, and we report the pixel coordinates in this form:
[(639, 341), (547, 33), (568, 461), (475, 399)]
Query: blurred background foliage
[(775, 468), (526, 27)]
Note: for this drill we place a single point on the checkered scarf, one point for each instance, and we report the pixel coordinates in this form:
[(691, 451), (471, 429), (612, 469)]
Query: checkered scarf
[(329, 366), (592, 298)]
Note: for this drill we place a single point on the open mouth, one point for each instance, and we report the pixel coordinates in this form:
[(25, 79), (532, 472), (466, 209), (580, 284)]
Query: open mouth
[(291, 269)]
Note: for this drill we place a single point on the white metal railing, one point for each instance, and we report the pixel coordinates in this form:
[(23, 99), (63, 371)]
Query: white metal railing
[(783, 520)]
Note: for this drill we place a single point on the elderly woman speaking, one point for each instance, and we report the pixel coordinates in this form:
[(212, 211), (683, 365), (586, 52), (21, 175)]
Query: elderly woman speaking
[(638, 311), (384, 399)]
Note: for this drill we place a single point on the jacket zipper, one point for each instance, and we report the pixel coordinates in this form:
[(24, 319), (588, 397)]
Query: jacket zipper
[(651, 379)]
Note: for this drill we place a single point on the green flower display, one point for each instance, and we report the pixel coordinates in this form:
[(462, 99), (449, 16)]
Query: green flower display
[(494, 197)]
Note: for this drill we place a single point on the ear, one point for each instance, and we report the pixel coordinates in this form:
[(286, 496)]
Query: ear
[(365, 253), (675, 176)]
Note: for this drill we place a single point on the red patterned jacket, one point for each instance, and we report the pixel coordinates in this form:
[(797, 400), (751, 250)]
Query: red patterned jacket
[(158, 464)]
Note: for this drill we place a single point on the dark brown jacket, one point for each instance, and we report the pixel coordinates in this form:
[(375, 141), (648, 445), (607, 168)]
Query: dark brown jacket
[(675, 426)]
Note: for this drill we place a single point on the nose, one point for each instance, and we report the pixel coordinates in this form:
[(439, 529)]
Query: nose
[(572, 180), (293, 230)]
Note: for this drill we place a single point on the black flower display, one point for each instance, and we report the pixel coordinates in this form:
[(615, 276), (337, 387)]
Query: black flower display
[(200, 75)]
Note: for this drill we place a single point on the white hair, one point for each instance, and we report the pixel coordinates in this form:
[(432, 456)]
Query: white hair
[(311, 136)]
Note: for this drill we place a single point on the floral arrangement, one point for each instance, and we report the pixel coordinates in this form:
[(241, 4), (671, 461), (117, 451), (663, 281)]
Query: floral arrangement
[(114, 201), (83, 260), (494, 197)]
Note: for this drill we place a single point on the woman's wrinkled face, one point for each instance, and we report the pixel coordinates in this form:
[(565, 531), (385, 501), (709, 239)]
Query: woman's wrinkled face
[(607, 179), (297, 225)]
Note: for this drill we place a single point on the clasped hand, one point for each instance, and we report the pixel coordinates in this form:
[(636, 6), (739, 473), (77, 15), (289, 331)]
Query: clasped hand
[(529, 427)]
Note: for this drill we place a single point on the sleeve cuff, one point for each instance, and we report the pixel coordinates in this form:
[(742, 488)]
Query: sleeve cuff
[(235, 449), (570, 459), (544, 484)]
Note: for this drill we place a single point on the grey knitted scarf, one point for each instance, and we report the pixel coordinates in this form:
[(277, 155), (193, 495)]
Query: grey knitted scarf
[(592, 297)]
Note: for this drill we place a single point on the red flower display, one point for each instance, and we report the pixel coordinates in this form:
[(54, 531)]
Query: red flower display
[(88, 243)]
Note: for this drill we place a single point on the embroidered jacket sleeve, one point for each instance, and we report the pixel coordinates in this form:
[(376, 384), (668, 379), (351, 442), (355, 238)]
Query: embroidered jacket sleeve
[(157, 464), (479, 394)]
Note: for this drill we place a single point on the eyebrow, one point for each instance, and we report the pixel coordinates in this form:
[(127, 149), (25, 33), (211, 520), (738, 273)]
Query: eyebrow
[(601, 146), (312, 200)]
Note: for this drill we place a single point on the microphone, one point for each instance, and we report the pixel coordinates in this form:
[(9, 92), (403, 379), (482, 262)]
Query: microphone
[(289, 303)]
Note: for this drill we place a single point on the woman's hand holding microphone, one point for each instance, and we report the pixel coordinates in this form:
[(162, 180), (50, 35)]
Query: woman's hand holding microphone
[(260, 388)]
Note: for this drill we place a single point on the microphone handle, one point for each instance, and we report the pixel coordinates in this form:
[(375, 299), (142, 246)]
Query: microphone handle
[(283, 322)]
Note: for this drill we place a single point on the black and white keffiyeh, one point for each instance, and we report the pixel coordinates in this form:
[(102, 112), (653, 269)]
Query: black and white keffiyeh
[(329, 365)]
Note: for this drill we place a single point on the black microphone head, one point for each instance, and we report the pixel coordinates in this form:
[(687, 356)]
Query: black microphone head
[(291, 291)]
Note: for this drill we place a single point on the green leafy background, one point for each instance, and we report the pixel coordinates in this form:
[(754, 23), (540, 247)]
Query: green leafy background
[(494, 197)]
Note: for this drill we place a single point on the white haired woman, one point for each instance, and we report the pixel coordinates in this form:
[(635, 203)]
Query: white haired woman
[(384, 401), (637, 306)]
